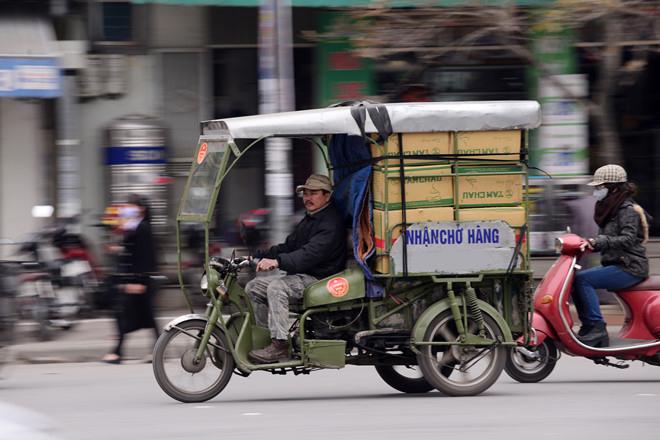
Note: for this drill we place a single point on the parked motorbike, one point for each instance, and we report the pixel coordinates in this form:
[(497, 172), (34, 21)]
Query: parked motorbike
[(79, 268), (8, 288), (59, 280), (638, 339)]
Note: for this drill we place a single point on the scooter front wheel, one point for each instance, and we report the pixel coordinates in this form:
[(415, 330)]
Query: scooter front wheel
[(531, 365), (180, 375)]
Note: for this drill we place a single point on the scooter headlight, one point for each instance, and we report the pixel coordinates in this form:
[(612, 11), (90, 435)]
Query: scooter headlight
[(559, 245)]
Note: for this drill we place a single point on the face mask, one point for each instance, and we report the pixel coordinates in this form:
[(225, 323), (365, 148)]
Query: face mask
[(130, 217), (600, 193)]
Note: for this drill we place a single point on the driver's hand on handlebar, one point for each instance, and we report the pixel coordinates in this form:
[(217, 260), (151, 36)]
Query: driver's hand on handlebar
[(267, 264), (587, 244)]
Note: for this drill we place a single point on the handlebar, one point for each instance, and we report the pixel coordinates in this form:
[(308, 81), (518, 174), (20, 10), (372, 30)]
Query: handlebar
[(236, 264)]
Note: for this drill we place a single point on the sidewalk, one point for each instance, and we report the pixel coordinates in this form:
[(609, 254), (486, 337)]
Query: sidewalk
[(87, 341)]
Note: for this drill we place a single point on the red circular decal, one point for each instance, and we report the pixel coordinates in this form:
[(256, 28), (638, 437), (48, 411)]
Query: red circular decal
[(201, 154), (337, 287)]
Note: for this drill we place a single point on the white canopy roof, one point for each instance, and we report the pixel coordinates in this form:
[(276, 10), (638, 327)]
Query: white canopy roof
[(405, 118)]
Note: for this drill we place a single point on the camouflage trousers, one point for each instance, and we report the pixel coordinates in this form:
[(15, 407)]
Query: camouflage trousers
[(271, 297)]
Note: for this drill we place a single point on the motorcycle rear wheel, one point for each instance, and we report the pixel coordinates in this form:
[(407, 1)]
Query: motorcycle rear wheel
[(524, 368), (406, 383), (475, 368), (176, 372)]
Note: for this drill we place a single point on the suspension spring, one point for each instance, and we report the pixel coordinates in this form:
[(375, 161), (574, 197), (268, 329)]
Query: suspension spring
[(475, 310)]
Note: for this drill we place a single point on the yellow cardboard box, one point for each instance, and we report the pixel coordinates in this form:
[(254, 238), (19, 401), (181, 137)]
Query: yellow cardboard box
[(414, 143), (499, 145), (425, 186), (489, 185), (395, 218)]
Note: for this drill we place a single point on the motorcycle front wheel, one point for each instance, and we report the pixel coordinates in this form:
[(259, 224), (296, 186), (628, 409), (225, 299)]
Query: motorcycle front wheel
[(177, 372), (531, 366)]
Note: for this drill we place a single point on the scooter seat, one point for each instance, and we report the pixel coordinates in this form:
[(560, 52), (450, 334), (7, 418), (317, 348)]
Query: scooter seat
[(651, 283)]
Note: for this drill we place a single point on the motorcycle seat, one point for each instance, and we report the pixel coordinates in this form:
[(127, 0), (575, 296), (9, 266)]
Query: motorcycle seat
[(651, 283)]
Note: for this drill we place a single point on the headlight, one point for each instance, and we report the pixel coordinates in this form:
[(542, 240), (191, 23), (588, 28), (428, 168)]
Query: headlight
[(212, 278), (204, 284), (559, 245)]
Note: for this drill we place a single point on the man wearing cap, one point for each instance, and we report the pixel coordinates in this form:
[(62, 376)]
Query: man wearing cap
[(316, 249), (623, 230)]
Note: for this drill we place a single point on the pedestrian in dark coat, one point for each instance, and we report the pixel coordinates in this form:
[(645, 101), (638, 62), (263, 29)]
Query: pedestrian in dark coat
[(136, 265), (623, 230)]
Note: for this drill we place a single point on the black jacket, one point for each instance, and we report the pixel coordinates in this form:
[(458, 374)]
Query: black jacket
[(317, 246), (620, 241), (139, 256)]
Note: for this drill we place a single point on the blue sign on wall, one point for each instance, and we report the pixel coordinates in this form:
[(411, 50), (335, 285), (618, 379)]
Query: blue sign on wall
[(30, 77), (134, 155)]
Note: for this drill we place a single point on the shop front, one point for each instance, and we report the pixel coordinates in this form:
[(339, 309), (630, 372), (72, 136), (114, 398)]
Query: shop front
[(30, 80)]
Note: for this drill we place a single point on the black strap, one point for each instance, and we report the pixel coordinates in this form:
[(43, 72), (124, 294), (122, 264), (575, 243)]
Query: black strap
[(514, 258), (404, 226), (360, 115), (378, 115), (381, 119)]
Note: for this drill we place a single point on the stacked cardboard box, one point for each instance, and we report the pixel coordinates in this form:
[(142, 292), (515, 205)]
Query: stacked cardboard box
[(479, 145), (489, 185), (426, 186), (471, 187), (439, 143)]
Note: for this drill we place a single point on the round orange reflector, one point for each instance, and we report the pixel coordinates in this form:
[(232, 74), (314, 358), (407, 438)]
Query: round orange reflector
[(547, 299)]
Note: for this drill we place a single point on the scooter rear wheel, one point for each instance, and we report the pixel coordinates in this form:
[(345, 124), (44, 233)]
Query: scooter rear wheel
[(179, 375), (527, 366)]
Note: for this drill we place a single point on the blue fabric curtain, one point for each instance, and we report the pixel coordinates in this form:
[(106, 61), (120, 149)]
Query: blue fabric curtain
[(351, 162)]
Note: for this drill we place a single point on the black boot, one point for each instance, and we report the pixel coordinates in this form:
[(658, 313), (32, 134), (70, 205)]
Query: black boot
[(278, 350), (584, 329), (596, 336)]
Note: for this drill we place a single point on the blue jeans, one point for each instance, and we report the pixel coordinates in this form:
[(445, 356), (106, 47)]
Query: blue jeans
[(601, 277)]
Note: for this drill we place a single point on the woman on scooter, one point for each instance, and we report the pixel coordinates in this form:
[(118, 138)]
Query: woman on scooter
[(623, 230)]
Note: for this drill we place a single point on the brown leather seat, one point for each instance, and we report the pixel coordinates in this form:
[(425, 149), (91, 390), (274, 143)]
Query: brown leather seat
[(651, 283)]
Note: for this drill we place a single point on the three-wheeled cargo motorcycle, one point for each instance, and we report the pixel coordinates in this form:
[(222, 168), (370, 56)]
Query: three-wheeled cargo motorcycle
[(438, 288)]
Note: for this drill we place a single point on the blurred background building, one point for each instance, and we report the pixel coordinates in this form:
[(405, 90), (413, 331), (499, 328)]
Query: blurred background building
[(102, 98)]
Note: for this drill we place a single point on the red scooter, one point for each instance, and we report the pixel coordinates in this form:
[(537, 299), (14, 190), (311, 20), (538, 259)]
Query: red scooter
[(638, 339)]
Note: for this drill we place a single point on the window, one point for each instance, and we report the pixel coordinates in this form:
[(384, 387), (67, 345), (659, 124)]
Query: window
[(116, 21)]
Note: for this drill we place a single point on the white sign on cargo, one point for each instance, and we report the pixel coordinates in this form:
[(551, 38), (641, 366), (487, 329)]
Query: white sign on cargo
[(455, 247)]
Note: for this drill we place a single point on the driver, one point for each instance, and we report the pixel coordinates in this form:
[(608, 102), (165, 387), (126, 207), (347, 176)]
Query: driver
[(316, 249), (623, 230)]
